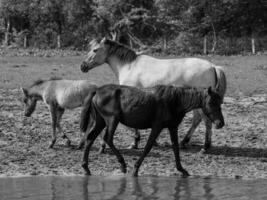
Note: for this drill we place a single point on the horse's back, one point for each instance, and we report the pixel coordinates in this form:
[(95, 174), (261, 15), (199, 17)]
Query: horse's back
[(133, 107), (150, 71), (69, 93)]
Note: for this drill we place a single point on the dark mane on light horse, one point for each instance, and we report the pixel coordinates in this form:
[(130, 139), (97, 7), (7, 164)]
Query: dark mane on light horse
[(124, 53), (41, 81)]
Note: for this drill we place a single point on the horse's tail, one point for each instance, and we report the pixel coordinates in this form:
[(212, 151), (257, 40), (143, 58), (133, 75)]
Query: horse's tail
[(86, 111), (221, 84)]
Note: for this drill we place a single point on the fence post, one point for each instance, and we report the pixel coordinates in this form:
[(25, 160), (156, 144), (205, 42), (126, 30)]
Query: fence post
[(164, 42), (25, 41), (58, 41), (253, 45), (205, 45), (7, 33)]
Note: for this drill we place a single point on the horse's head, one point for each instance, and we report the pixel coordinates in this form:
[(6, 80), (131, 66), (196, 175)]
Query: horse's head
[(29, 102), (212, 107), (97, 55)]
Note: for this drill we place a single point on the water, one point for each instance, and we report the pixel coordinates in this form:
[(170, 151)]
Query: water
[(128, 188)]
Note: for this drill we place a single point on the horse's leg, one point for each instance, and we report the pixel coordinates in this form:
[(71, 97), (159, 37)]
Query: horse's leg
[(102, 144), (53, 113), (90, 136), (60, 112), (81, 143), (195, 122), (175, 146), (137, 138), (150, 142), (208, 124), (108, 137)]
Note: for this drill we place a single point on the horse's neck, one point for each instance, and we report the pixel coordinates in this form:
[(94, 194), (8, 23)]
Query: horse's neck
[(117, 66), (37, 91), (191, 100)]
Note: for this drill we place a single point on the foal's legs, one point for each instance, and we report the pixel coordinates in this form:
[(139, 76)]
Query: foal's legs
[(82, 142), (60, 112), (175, 146), (91, 135), (134, 145), (198, 115), (208, 124), (102, 143), (151, 140), (112, 124), (195, 122), (53, 113), (137, 138)]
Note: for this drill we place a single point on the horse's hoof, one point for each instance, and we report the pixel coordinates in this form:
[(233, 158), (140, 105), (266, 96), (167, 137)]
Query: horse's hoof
[(79, 147), (86, 169), (52, 144), (88, 173), (135, 173), (185, 174)]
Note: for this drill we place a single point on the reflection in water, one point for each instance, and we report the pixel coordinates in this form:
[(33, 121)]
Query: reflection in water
[(208, 190), (123, 187)]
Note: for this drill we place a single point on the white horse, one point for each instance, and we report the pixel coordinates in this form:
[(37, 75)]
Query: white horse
[(147, 71), (58, 95)]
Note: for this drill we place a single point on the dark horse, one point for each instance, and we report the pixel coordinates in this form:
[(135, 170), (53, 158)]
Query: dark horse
[(157, 108)]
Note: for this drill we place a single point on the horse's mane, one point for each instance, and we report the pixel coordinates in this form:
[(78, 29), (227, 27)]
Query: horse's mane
[(41, 81), (173, 94), (124, 53)]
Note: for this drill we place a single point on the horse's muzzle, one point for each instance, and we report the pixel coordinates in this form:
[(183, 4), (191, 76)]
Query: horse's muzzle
[(84, 67), (219, 124)]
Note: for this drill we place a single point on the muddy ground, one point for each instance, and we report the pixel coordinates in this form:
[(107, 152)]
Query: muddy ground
[(239, 149)]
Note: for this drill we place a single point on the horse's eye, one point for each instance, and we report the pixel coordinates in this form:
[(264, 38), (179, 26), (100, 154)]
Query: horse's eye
[(95, 50)]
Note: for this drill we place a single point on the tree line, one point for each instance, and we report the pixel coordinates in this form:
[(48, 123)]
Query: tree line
[(163, 26)]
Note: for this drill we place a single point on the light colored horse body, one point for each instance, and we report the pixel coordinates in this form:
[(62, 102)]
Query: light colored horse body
[(193, 72), (147, 71), (58, 95)]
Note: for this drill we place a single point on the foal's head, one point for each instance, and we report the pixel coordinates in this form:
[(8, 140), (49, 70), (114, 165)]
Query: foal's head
[(212, 107), (29, 102)]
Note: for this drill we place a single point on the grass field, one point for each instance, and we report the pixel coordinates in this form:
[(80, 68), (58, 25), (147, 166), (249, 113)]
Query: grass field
[(239, 149)]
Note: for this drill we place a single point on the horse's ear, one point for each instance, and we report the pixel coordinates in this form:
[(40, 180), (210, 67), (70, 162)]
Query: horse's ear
[(93, 42), (24, 91), (103, 40)]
